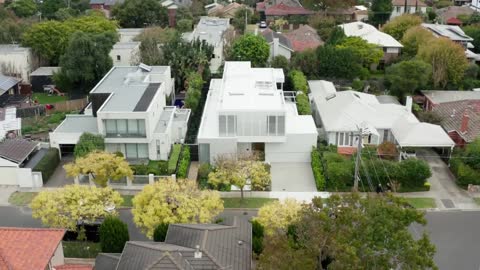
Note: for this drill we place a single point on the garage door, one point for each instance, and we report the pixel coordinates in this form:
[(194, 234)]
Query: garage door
[(66, 149)]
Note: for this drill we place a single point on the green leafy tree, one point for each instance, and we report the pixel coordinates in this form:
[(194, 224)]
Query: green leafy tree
[(64, 14), (85, 62), (351, 232), (327, 4), (338, 62), (414, 38), (305, 61), (380, 11), (50, 7), (408, 76), (448, 61), (184, 25), (336, 37), (280, 61), (474, 32), (113, 235), (472, 154), (23, 8), (194, 91), (400, 24), (11, 27), (413, 172), (140, 13), (250, 48), (323, 24), (87, 143), (238, 20), (367, 53), (160, 232)]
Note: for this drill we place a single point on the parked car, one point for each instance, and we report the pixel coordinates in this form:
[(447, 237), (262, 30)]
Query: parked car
[(263, 24)]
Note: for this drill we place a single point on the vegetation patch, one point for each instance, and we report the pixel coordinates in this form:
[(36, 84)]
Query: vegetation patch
[(81, 249), (43, 98), (421, 203), (246, 202), (174, 156), (21, 198), (48, 164)]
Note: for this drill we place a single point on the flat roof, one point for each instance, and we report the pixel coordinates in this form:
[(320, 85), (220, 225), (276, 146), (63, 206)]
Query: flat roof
[(17, 150), (128, 85), (45, 71), (126, 45), (210, 29), (12, 48), (78, 123)]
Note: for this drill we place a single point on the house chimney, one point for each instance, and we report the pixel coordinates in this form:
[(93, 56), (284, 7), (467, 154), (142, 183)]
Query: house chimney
[(276, 43), (465, 119), (408, 103), (198, 253)]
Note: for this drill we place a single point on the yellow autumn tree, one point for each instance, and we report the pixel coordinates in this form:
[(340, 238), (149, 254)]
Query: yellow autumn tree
[(64, 207), (172, 201), (277, 215), (400, 24), (241, 171), (102, 166)]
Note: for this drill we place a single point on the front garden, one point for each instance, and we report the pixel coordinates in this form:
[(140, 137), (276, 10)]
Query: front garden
[(335, 172)]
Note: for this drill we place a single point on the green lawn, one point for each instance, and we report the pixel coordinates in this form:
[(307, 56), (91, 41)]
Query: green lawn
[(127, 200), (174, 156), (477, 200), (247, 202), (421, 203), (48, 99), (21, 198), (80, 249)]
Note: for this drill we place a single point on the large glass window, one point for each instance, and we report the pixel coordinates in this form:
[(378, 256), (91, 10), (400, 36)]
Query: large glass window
[(111, 126), (131, 150), (281, 125), (227, 125), (272, 125), (133, 126), (125, 128), (122, 126), (222, 120), (142, 149)]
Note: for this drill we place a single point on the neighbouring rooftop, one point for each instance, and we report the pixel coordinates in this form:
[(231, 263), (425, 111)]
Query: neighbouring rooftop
[(126, 45), (452, 114), (370, 34), (210, 29), (17, 150), (452, 32), (439, 96), (45, 71), (132, 88), (7, 82), (78, 123), (13, 48)]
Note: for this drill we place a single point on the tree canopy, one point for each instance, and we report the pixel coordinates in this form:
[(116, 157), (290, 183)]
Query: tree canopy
[(350, 232), (400, 24), (102, 166), (23, 8), (337, 62), (64, 207), (448, 61), (250, 48), (87, 143), (140, 13), (327, 4), (474, 32), (276, 216), (366, 53), (11, 27), (414, 38), (85, 62), (170, 201), (194, 91), (49, 39), (406, 77), (380, 11)]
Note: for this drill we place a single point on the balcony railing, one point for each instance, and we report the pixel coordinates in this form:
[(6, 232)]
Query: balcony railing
[(125, 135)]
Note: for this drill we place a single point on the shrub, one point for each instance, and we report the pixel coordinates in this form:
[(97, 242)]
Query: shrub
[(87, 143), (56, 118), (303, 105), (139, 169), (257, 237), (339, 171), (358, 84), (413, 173), (388, 150), (317, 169), (157, 167), (182, 171), (48, 164), (173, 159), (466, 175), (298, 81), (160, 232), (184, 25), (113, 235), (202, 176)]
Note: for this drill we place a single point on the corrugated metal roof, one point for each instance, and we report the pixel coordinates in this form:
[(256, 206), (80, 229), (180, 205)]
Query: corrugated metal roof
[(7, 82), (17, 150)]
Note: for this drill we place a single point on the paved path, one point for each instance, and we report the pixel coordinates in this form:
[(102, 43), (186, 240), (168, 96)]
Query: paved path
[(5, 192), (292, 177), (59, 177), (193, 171), (443, 188)]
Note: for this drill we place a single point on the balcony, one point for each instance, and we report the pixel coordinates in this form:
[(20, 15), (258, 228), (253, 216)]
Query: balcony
[(125, 135)]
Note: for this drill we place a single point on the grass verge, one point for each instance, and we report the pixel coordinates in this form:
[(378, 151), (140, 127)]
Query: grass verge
[(21, 198), (477, 200), (80, 249), (173, 160), (421, 203), (43, 98), (246, 203)]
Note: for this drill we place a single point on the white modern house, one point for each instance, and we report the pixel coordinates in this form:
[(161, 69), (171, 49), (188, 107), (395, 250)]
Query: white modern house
[(212, 30), (391, 47), (401, 7), (17, 61), (128, 107), (341, 115), (246, 111), (126, 53)]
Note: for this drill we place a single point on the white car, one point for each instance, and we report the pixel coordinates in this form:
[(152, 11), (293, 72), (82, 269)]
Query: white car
[(263, 24)]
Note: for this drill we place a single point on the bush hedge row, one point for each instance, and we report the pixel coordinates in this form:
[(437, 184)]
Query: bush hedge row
[(173, 159), (299, 81), (317, 169), (182, 171), (48, 164), (303, 104)]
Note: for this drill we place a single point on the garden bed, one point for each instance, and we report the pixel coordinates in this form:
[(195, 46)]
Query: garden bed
[(81, 249), (246, 203)]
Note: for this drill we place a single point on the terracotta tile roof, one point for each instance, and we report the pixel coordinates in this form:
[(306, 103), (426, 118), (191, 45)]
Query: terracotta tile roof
[(452, 113), (346, 150), (413, 3), (454, 21), (283, 10), (26, 248), (305, 37), (74, 267)]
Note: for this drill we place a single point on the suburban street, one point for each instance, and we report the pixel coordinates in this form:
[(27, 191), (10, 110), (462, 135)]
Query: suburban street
[(453, 232)]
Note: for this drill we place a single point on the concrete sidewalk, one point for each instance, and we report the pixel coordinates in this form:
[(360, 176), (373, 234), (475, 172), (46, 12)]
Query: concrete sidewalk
[(5, 192)]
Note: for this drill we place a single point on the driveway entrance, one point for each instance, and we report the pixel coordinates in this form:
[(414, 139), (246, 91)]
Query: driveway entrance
[(293, 177)]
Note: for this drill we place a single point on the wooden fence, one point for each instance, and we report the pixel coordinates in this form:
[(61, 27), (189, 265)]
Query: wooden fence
[(70, 105)]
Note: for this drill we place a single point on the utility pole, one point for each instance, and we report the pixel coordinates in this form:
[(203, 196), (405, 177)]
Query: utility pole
[(357, 161)]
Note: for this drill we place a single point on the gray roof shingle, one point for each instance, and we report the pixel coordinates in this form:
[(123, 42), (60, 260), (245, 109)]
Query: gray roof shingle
[(17, 150), (107, 261), (269, 35), (452, 113)]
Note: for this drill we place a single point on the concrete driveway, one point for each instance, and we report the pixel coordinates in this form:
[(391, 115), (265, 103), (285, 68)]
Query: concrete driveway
[(59, 177), (443, 188), (292, 177)]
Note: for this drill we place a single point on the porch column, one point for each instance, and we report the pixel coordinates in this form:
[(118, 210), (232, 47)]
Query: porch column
[(129, 181), (150, 179)]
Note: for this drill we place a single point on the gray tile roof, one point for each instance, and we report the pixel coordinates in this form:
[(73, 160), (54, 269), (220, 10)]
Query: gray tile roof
[(17, 150), (269, 35), (440, 96), (107, 261), (452, 113), (7, 82), (223, 246)]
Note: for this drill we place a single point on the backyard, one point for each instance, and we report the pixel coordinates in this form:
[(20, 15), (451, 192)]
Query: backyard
[(44, 98), (80, 249)]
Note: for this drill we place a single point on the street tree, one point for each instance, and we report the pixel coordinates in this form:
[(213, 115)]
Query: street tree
[(140, 13), (448, 61), (400, 24), (250, 48), (67, 206), (23, 8), (474, 32), (406, 77), (366, 53), (240, 172), (85, 62), (113, 235), (170, 201), (102, 166), (351, 232), (277, 216), (380, 11), (414, 38), (87, 143)]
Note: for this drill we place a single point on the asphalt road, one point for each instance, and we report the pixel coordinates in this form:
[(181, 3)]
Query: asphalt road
[(454, 233)]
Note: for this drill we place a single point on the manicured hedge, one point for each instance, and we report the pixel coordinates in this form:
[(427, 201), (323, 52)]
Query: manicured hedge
[(48, 164), (113, 235), (173, 160), (299, 81), (317, 169), (303, 104), (182, 171)]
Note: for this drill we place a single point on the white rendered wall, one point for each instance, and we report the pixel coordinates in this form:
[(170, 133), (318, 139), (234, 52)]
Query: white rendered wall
[(19, 63), (220, 146), (128, 56), (297, 148)]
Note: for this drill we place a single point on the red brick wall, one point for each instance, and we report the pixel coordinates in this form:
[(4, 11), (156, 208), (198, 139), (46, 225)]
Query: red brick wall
[(459, 141)]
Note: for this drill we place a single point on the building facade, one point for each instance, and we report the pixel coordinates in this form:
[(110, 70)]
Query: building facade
[(17, 61), (401, 7), (125, 53)]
